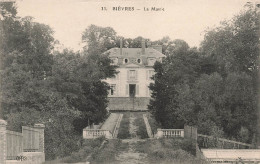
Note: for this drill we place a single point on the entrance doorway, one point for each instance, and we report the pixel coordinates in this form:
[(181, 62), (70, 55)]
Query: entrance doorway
[(132, 90)]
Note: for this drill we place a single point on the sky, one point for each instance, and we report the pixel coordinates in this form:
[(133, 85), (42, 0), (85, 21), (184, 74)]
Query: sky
[(179, 19)]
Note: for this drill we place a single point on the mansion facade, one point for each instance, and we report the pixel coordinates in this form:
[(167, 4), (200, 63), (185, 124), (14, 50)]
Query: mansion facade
[(135, 69)]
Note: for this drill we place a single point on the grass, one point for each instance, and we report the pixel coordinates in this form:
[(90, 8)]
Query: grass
[(88, 146), (123, 132), (109, 152), (175, 150), (139, 122)]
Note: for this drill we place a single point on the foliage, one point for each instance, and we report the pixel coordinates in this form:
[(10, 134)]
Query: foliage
[(172, 77), (63, 90), (87, 147), (109, 152), (175, 150), (215, 87), (98, 39)]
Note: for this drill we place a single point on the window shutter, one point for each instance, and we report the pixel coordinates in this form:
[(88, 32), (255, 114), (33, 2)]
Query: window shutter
[(147, 75), (136, 75), (127, 89), (147, 90), (137, 89), (116, 90), (127, 74)]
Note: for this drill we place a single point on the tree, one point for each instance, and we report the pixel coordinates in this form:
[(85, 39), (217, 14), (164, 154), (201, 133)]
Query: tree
[(214, 88), (173, 77), (98, 39)]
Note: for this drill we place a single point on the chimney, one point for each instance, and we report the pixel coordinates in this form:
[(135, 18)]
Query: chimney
[(143, 47), (121, 46), (149, 44)]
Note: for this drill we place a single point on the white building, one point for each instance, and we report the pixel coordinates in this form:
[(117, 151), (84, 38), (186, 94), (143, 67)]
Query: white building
[(232, 155), (129, 89)]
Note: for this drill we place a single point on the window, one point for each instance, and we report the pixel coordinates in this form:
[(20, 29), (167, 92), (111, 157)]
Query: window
[(150, 74), (126, 61), (132, 74), (139, 61), (159, 60), (113, 89), (151, 61), (148, 91)]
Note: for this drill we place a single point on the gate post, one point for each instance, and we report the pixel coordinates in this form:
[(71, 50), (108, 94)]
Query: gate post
[(40, 128), (3, 148)]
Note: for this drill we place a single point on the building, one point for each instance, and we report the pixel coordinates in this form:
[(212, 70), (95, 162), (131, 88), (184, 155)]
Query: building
[(232, 155), (129, 88)]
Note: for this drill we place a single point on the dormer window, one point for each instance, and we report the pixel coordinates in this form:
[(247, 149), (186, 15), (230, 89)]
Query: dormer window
[(159, 60), (151, 61), (125, 61), (139, 61)]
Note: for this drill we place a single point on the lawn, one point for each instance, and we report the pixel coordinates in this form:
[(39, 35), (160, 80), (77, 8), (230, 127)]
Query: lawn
[(123, 132), (109, 152), (139, 122), (174, 150)]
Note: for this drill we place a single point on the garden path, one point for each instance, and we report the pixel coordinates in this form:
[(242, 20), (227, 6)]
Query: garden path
[(131, 156)]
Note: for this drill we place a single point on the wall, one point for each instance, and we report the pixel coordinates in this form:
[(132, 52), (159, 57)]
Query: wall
[(13, 141), (126, 103)]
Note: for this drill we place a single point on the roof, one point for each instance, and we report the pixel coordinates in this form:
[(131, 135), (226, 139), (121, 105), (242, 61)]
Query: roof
[(231, 154), (134, 52)]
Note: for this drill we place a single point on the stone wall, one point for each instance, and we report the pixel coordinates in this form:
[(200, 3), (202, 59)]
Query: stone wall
[(29, 158), (2, 141), (127, 103), (23, 157)]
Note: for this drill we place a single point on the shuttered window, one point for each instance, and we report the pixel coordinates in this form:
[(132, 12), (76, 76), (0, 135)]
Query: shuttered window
[(149, 74), (137, 89), (127, 89), (113, 89), (132, 74)]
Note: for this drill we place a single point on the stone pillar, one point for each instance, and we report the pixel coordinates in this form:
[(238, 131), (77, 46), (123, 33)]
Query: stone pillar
[(159, 133), (40, 128), (3, 141)]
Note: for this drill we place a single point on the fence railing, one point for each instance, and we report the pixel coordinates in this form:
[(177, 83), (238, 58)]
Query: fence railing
[(14, 142), (30, 139), (206, 141), (169, 133), (94, 133)]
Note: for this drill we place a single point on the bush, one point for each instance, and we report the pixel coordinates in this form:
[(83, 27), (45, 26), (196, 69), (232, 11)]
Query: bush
[(88, 146), (174, 150), (109, 152)]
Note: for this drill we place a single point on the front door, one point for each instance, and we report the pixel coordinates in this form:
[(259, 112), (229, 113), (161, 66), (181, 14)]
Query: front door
[(132, 90)]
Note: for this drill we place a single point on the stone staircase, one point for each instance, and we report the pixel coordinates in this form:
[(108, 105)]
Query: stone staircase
[(110, 122)]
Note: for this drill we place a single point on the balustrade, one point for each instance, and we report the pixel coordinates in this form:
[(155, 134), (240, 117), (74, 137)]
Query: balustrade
[(168, 133), (95, 133)]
